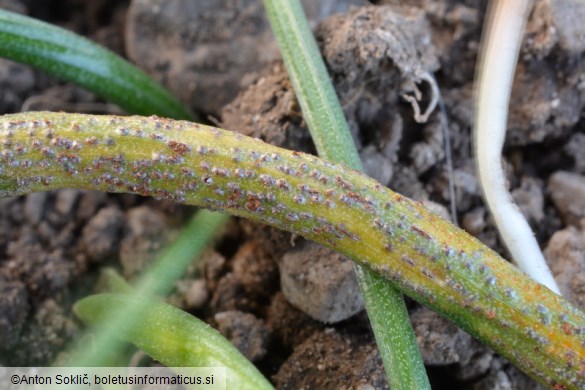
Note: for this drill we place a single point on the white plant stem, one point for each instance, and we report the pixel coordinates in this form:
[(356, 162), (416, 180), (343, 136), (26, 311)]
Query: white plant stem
[(500, 48)]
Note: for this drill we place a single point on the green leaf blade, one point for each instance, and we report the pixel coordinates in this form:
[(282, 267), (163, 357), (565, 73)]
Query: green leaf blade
[(173, 337), (73, 58)]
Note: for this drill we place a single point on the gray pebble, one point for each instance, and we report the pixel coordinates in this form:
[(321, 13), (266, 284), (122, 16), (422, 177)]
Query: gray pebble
[(565, 253), (34, 206), (440, 342), (13, 311), (248, 333), (376, 165), (567, 191), (101, 235), (66, 200), (320, 282), (197, 294)]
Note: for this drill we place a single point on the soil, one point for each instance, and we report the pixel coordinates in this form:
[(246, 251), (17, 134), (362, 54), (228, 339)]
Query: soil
[(254, 285)]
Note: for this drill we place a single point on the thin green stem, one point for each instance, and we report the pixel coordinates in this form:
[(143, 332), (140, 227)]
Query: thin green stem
[(173, 337), (158, 280), (421, 254), (322, 111), (73, 58)]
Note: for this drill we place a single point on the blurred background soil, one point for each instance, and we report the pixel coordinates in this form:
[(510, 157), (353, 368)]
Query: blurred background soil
[(289, 305)]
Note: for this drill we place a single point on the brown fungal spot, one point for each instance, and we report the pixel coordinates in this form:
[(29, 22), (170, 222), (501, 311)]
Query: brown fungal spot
[(283, 184), (178, 147), (420, 232), (220, 172), (300, 199), (91, 140), (343, 184), (567, 329), (407, 260), (253, 204), (266, 180), (427, 273)]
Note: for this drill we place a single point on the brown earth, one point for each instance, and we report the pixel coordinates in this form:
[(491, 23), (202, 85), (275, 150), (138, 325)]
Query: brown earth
[(220, 58)]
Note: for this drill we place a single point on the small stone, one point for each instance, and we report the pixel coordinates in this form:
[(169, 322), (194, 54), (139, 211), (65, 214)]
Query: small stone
[(197, 294), (474, 221), (376, 165), (565, 253), (89, 204), (101, 236), (34, 206), (529, 198), (567, 191), (66, 200), (13, 312), (320, 282), (246, 332), (146, 233), (144, 221), (575, 148), (441, 342), (568, 22)]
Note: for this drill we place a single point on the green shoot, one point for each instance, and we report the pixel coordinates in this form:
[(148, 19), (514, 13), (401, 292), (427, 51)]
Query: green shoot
[(173, 337), (422, 255), (74, 58), (322, 111), (158, 280)]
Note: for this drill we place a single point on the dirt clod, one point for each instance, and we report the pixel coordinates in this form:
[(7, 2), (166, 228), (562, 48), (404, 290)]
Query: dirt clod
[(333, 356), (101, 236), (146, 233), (320, 282), (246, 283), (13, 310), (441, 342), (197, 295), (246, 332), (566, 255), (568, 194), (529, 198)]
